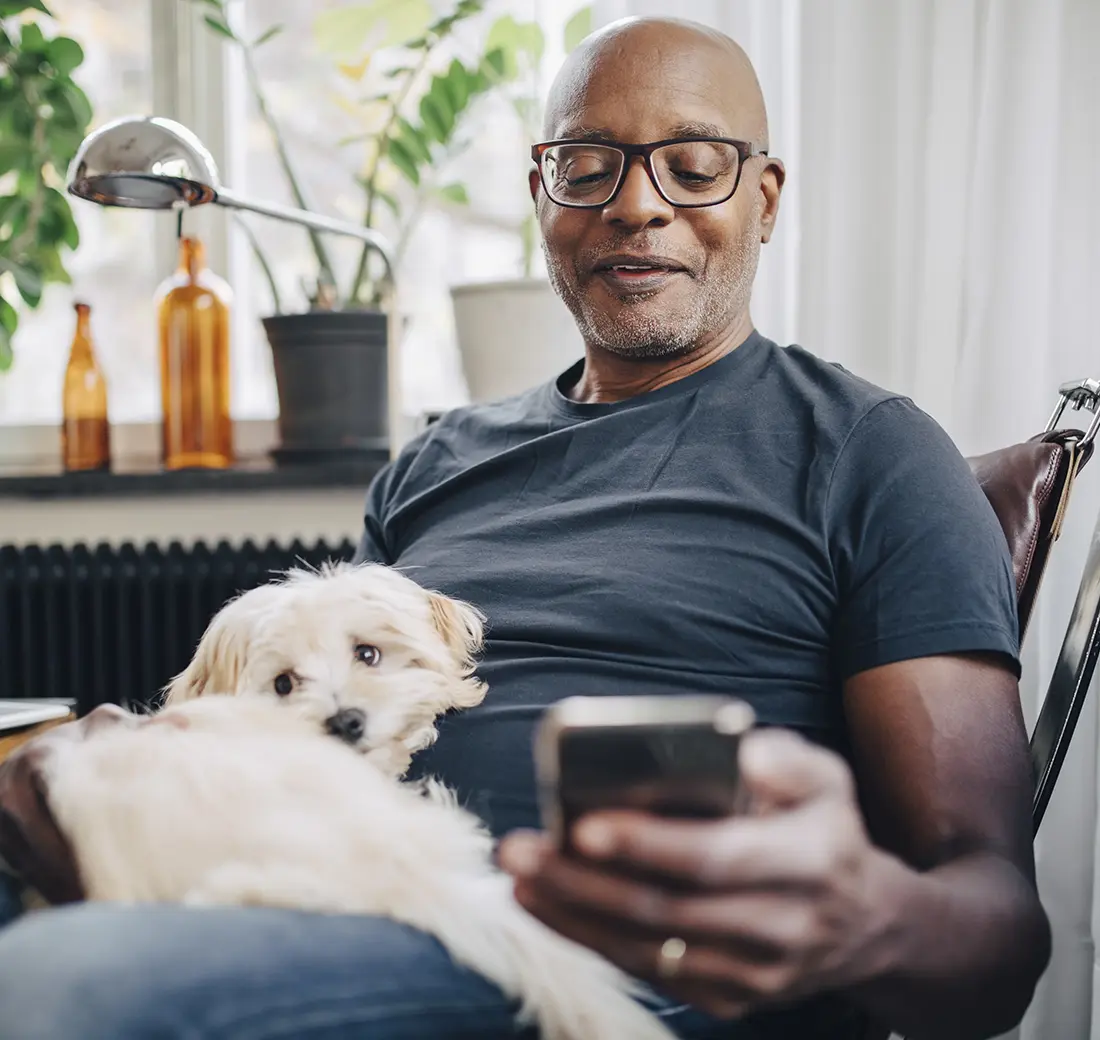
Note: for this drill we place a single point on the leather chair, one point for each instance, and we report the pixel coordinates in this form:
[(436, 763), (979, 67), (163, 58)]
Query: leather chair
[(1029, 487)]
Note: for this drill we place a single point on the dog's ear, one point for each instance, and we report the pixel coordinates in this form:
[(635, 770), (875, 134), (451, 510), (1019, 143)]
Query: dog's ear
[(461, 625), (218, 661)]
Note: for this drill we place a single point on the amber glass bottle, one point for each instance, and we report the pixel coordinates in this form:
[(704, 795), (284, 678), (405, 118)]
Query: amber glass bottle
[(193, 319), (85, 429)]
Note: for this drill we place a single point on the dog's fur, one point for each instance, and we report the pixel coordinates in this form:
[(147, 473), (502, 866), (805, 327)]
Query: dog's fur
[(307, 627), (245, 799)]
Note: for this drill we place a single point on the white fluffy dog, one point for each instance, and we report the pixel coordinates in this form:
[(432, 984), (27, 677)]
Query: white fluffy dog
[(247, 799), (362, 652)]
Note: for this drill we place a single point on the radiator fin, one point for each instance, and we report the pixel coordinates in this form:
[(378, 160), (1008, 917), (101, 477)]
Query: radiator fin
[(99, 624)]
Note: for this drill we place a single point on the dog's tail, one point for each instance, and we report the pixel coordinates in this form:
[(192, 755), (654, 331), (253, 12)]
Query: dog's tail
[(568, 991)]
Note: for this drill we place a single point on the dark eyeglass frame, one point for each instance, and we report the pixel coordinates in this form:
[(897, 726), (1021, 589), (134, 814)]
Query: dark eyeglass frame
[(746, 150)]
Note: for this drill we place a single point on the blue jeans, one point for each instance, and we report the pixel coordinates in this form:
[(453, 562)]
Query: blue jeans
[(101, 972)]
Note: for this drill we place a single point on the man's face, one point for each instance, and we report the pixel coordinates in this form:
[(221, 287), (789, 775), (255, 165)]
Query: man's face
[(706, 257)]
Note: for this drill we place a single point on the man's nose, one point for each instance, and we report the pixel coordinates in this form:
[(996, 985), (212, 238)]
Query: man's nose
[(349, 724), (639, 204)]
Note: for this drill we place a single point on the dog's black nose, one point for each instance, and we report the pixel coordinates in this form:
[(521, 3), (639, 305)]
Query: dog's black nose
[(348, 724)]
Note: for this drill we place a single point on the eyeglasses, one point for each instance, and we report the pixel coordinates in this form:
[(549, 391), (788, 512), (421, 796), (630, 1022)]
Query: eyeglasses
[(688, 172)]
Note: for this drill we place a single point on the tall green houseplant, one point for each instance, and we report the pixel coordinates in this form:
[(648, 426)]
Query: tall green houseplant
[(412, 84), (44, 116)]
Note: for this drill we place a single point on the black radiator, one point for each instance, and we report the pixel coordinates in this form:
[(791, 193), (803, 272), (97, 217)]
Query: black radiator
[(114, 624)]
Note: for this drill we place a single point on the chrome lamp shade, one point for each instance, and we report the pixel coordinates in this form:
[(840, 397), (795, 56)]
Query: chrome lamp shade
[(148, 162), (144, 163)]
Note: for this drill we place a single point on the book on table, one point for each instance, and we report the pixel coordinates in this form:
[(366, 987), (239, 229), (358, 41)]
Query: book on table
[(19, 714)]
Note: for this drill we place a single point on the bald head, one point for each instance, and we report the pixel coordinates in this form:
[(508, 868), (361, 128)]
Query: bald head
[(700, 64), (659, 264)]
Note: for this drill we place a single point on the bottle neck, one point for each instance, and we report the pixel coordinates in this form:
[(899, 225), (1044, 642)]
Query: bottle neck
[(192, 257), (82, 338)]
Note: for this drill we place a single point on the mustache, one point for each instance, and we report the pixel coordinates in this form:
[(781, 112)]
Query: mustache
[(589, 256)]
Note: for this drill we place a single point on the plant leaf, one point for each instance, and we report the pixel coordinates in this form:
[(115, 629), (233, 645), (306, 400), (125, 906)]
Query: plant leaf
[(457, 85), (415, 141), (269, 34), (399, 155), (9, 7), (436, 116), (27, 281), (497, 63), (65, 55), (9, 320), (515, 40), (31, 39), (72, 109), (13, 154), (577, 28), (454, 193), (219, 27), (346, 31)]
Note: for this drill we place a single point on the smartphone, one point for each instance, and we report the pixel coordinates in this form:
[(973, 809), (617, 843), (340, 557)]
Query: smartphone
[(668, 755)]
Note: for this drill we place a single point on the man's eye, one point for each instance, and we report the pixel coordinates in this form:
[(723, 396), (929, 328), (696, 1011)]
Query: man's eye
[(284, 684), (692, 178), (368, 655)]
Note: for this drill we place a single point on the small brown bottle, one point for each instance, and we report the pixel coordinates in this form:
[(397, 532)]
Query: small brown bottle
[(85, 429), (193, 321)]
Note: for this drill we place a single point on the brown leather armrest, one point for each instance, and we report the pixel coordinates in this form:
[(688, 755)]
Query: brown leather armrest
[(1028, 485)]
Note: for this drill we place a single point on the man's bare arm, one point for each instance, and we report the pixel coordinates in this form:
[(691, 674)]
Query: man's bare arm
[(943, 771)]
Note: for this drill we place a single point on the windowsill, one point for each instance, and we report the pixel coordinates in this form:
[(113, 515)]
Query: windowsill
[(249, 475), (30, 467)]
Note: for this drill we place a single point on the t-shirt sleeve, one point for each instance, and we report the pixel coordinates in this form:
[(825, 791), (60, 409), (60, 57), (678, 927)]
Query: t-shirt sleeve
[(381, 494), (921, 564), (372, 542)]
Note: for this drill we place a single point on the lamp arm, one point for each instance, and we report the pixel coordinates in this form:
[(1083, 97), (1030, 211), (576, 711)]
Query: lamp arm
[(379, 243)]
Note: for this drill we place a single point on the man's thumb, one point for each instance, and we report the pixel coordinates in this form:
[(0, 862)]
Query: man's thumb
[(781, 770)]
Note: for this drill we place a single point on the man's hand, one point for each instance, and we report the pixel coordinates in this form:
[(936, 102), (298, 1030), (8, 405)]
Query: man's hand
[(761, 909), (31, 844)]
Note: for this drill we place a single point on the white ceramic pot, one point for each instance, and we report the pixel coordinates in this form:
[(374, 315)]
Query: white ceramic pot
[(512, 335)]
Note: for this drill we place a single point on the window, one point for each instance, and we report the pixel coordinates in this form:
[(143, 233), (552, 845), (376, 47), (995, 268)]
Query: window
[(156, 56), (450, 245), (114, 269)]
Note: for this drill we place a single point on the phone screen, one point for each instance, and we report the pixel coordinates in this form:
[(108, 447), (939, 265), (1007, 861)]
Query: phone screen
[(687, 771)]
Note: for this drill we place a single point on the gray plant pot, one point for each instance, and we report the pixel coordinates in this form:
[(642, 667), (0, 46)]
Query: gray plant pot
[(331, 374)]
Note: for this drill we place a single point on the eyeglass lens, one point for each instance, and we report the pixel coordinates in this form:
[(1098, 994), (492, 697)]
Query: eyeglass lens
[(690, 173)]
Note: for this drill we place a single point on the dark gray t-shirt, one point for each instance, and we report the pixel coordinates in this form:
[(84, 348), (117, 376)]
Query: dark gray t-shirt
[(765, 527)]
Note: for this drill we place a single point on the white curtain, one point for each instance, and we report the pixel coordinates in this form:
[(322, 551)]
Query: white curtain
[(940, 236)]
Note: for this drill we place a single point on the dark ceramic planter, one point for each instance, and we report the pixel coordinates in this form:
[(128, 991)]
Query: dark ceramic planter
[(331, 373)]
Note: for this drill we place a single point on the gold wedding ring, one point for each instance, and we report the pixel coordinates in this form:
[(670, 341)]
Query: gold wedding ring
[(671, 957)]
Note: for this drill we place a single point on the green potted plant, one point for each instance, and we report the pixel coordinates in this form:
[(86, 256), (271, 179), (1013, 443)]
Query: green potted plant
[(43, 118), (487, 313), (413, 85)]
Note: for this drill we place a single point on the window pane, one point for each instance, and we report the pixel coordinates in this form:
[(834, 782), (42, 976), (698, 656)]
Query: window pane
[(114, 269), (313, 102)]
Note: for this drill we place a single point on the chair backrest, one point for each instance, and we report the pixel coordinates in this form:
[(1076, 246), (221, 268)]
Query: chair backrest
[(1029, 486)]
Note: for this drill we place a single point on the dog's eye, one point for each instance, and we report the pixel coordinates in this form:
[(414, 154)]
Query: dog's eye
[(367, 654), (284, 684)]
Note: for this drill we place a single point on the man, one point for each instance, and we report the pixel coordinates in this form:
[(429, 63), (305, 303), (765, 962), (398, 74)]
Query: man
[(692, 509)]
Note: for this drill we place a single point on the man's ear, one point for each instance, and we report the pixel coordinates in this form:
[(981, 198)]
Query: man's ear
[(218, 661), (534, 183), (771, 187), (461, 625)]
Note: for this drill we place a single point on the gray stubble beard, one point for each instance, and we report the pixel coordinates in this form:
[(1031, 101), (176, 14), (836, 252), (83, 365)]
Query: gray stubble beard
[(648, 334)]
